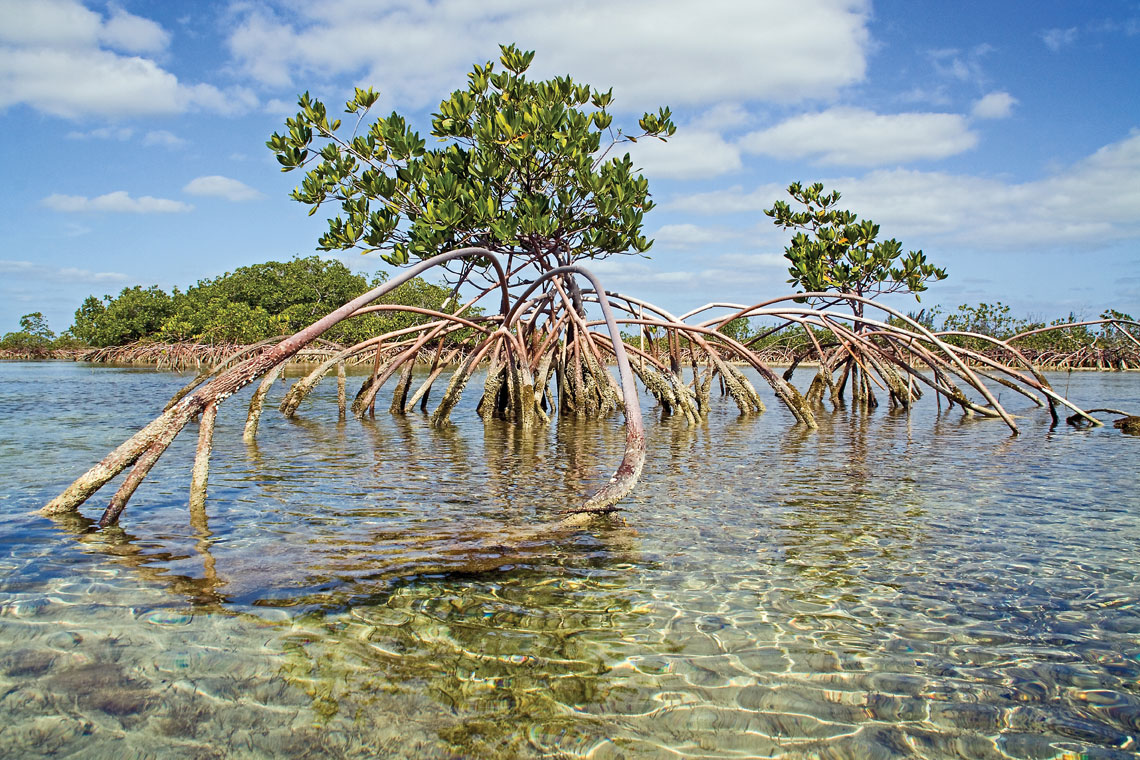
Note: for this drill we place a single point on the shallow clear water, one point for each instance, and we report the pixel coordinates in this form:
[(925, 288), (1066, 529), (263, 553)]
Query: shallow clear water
[(884, 587)]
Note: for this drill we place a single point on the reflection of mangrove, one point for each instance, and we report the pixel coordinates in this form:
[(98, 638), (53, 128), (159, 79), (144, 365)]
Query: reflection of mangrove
[(124, 548), (476, 637), (839, 523), (357, 547)]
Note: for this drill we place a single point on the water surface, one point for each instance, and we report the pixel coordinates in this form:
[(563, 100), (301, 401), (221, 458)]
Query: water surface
[(887, 586)]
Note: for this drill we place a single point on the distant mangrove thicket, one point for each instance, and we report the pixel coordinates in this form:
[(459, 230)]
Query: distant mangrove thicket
[(251, 304), (258, 302), (248, 305)]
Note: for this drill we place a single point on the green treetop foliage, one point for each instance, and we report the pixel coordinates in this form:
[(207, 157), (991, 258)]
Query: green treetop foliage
[(1114, 335), (262, 300), (522, 167), (997, 321), (834, 250), (738, 329), (36, 326), (136, 313), (33, 336), (250, 304), (994, 320)]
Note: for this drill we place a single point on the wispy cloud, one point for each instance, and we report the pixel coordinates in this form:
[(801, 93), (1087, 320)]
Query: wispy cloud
[(961, 65), (102, 133), (1056, 39), (119, 201), (734, 274), (163, 138), (32, 271), (692, 236)]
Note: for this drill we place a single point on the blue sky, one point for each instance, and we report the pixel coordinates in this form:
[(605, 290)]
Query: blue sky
[(1002, 138)]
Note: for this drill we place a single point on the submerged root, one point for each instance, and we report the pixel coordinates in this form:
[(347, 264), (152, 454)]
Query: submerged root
[(303, 387), (257, 403), (441, 417), (686, 399), (200, 474), (152, 440), (605, 399), (366, 396), (541, 379), (424, 391), (491, 405), (704, 387), (341, 395), (153, 447), (820, 384), (400, 394), (658, 386), (526, 403), (738, 387)]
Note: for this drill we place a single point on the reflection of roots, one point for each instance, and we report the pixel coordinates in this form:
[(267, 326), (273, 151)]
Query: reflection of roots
[(542, 355)]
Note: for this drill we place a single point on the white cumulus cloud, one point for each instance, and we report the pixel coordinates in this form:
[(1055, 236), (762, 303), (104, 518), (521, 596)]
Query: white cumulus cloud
[(687, 155), (1092, 202), (858, 137), (994, 105), (119, 201), (57, 22), (222, 187), (133, 34), (61, 58), (654, 52)]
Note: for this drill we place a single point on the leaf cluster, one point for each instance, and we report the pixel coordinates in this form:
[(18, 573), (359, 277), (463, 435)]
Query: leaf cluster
[(834, 250), (521, 167)]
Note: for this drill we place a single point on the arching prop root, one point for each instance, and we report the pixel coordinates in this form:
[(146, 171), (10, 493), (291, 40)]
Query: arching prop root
[(1128, 423), (543, 353), (144, 448), (868, 353)]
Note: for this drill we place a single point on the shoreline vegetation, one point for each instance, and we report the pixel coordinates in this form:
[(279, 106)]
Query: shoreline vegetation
[(201, 326), (230, 315), (184, 356)]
